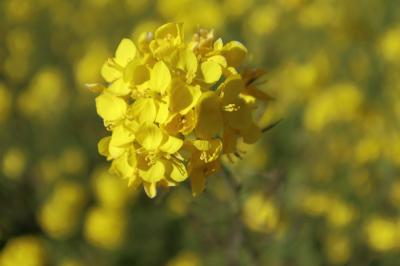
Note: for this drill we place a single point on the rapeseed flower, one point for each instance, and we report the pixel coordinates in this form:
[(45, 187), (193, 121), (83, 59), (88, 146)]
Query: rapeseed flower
[(175, 107), (26, 250)]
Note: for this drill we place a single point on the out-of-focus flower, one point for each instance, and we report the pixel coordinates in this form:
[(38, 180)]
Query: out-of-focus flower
[(105, 228), (86, 70), (237, 8), (18, 10), (45, 98), (381, 233), (340, 214), (390, 45), (264, 20), (207, 13), (111, 192), (324, 109), (72, 262), (136, 6), (253, 163), (144, 26), (24, 250), (72, 160), (14, 163), (60, 213), (367, 149), (260, 213), (174, 108), (291, 4), (317, 14), (47, 169), (316, 203), (185, 258), (19, 41), (338, 248), (179, 201)]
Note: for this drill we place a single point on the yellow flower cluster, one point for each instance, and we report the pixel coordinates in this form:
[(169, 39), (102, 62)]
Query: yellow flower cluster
[(174, 108)]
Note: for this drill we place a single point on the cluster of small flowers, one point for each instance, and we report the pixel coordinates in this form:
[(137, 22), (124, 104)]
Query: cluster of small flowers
[(174, 108)]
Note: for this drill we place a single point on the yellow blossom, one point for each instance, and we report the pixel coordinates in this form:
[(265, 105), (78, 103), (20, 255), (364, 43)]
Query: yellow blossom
[(14, 163), (185, 258), (60, 213), (173, 108), (338, 248), (105, 228), (381, 233), (25, 250), (260, 213)]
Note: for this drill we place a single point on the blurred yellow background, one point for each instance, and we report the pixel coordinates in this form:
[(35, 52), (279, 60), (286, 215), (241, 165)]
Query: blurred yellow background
[(321, 188)]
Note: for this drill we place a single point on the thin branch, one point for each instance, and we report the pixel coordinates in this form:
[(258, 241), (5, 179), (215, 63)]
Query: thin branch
[(239, 237), (271, 126)]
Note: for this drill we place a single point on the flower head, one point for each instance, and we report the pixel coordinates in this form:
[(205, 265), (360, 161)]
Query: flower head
[(173, 108)]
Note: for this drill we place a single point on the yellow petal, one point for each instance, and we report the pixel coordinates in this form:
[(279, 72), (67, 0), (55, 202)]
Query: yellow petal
[(132, 125), (188, 62), (150, 136), (210, 149), (160, 77), (230, 141), (178, 173), (155, 173), (218, 44), (173, 125), (218, 59), (183, 97), (132, 157), (181, 123), (231, 88), (209, 123), (211, 71), (125, 53), (163, 49), (189, 122), (121, 136), (162, 112), (110, 73), (144, 110), (201, 145), (150, 189), (121, 167), (102, 146), (129, 70), (144, 41), (171, 145), (169, 30), (141, 74), (241, 118), (119, 88), (110, 107), (115, 151), (198, 183), (251, 134), (235, 53), (229, 71)]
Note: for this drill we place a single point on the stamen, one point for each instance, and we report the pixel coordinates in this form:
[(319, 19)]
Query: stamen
[(231, 107)]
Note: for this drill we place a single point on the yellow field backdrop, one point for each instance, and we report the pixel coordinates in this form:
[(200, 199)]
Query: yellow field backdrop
[(321, 188)]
